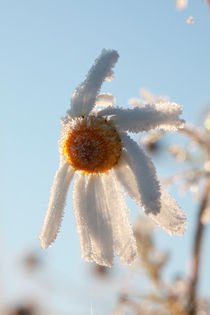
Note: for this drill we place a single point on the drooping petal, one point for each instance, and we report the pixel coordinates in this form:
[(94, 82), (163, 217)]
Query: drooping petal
[(93, 220), (56, 205), (127, 179), (102, 221), (99, 222), (162, 116), (80, 212), (124, 241), (105, 99), (170, 217), (84, 97), (145, 175)]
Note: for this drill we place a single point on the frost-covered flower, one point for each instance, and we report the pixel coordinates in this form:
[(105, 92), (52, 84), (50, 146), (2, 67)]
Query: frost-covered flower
[(95, 146)]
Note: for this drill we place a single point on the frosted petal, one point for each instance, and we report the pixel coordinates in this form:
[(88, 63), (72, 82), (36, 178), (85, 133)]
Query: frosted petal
[(84, 97), (170, 217), (80, 212), (162, 116), (102, 221), (93, 220), (145, 175), (105, 99), (127, 178), (99, 219), (124, 241), (56, 205)]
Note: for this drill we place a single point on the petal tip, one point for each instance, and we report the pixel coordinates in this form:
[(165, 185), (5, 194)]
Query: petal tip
[(45, 243)]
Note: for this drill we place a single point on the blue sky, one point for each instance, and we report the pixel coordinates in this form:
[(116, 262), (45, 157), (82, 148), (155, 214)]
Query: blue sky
[(47, 48)]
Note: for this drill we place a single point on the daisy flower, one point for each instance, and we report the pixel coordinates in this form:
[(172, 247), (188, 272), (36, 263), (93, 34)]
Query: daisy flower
[(95, 146)]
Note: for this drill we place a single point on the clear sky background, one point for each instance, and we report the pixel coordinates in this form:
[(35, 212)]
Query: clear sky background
[(47, 47)]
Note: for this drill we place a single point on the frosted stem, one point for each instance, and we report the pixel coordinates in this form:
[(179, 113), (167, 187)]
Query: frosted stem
[(197, 251)]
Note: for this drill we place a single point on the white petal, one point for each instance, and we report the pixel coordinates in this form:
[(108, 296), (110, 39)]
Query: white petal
[(126, 177), (93, 220), (124, 241), (56, 205), (80, 212), (99, 219), (162, 116), (170, 217), (102, 220), (105, 99), (145, 174), (84, 97)]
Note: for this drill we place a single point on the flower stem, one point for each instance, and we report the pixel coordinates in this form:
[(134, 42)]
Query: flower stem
[(197, 250)]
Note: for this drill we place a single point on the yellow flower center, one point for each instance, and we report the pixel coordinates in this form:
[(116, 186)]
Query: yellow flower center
[(92, 145)]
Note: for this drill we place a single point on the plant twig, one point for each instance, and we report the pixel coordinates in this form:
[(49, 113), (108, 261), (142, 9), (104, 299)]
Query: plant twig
[(196, 134), (197, 250)]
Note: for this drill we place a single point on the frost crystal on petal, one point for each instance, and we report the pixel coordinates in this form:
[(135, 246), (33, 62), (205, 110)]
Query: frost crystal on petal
[(93, 220), (105, 99), (170, 217), (162, 116), (124, 241), (80, 213), (102, 222), (145, 174), (56, 205), (84, 97)]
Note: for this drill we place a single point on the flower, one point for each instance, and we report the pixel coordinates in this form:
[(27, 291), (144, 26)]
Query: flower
[(95, 146)]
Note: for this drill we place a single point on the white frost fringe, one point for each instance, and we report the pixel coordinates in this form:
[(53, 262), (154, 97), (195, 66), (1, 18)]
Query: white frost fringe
[(102, 220), (84, 97), (105, 99), (53, 218), (93, 220), (161, 116), (123, 238), (145, 174), (170, 217), (80, 212)]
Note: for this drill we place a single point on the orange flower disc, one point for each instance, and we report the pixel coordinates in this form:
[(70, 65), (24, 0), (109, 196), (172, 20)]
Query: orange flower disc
[(92, 145)]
